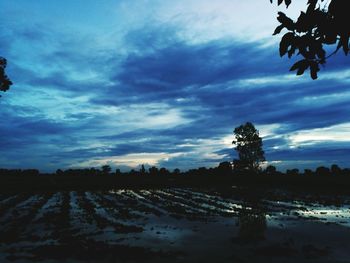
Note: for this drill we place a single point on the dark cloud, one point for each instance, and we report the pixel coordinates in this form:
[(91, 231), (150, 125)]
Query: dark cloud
[(215, 86), (209, 76)]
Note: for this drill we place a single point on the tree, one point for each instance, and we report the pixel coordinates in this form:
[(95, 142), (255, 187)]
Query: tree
[(163, 171), (176, 171), (292, 172), (153, 170), (143, 170), (335, 170), (270, 170), (322, 171), (106, 169), (324, 23), (5, 82), (249, 148), (308, 172), (224, 168), (117, 172)]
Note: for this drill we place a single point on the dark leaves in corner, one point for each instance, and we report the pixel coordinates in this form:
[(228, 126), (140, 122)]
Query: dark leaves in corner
[(312, 31), (287, 2)]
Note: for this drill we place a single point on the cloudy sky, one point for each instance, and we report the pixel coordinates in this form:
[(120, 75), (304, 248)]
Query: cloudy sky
[(126, 82)]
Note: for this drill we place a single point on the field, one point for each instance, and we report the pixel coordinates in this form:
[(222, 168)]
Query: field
[(174, 225)]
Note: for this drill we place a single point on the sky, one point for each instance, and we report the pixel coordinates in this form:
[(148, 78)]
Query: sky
[(164, 83)]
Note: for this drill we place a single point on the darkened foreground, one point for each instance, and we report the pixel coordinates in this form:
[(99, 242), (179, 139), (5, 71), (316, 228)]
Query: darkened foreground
[(322, 179), (174, 225)]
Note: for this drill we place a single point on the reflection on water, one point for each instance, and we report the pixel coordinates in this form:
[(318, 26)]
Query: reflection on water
[(252, 225), (196, 222)]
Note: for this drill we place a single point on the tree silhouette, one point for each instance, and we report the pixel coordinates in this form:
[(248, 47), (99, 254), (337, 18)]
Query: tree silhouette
[(249, 148), (322, 171), (5, 82), (143, 170), (224, 168), (176, 171), (153, 170), (335, 170), (106, 169), (270, 170), (323, 24)]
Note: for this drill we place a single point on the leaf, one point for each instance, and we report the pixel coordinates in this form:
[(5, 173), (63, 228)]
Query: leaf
[(291, 51), (286, 41), (300, 66), (314, 68), (279, 2), (3, 62), (278, 30), (321, 53), (344, 40), (288, 2), (312, 5), (285, 21), (303, 22)]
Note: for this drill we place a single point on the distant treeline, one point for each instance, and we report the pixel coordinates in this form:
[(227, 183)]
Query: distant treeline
[(224, 169), (333, 179)]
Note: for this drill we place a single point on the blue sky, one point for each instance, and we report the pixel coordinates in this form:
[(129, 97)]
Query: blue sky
[(161, 83)]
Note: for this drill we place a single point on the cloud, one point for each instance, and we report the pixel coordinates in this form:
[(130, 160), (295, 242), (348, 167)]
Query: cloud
[(161, 92)]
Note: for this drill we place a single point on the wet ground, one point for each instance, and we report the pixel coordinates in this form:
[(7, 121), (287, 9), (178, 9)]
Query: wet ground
[(173, 225)]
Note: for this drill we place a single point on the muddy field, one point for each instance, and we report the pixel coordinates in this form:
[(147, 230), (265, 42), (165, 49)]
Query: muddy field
[(173, 225)]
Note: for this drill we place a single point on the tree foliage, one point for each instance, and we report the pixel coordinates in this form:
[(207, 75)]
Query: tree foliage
[(5, 82), (106, 169), (324, 23), (249, 147)]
